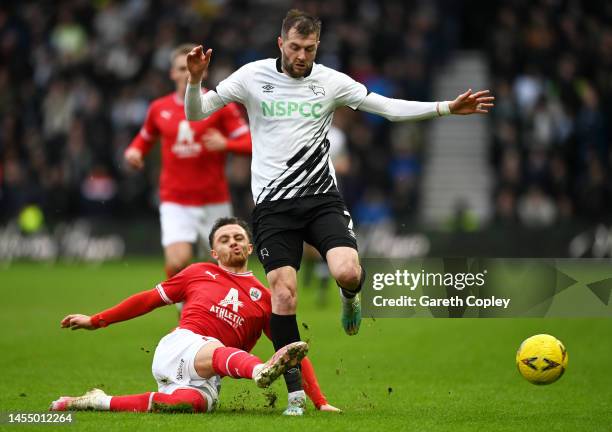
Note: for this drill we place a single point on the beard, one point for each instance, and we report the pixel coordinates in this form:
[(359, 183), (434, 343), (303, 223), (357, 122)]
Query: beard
[(288, 67), (236, 260)]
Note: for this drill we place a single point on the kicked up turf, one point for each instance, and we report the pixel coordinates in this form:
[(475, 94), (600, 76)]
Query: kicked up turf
[(397, 374)]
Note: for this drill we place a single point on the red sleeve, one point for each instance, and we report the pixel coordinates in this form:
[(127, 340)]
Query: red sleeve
[(173, 290), (236, 129), (132, 307), (242, 144), (311, 385), (148, 133)]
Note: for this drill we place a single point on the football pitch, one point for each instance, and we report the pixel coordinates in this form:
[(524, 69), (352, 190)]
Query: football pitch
[(397, 374)]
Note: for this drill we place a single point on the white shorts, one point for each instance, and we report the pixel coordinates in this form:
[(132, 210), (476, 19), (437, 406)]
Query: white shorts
[(173, 365), (181, 223)]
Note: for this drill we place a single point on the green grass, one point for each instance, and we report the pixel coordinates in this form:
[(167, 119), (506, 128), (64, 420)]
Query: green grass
[(397, 374)]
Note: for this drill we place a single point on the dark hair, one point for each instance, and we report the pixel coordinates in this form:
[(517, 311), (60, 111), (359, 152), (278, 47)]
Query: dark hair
[(229, 220), (182, 49), (303, 23)]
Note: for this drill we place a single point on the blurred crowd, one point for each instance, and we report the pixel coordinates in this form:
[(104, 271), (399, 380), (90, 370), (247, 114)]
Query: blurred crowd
[(76, 78), (552, 65)]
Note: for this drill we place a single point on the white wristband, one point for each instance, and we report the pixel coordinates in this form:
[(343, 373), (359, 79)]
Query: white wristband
[(192, 85), (444, 108)]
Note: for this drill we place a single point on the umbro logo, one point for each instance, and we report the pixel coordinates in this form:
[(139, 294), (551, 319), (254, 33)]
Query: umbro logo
[(317, 90), (268, 88)]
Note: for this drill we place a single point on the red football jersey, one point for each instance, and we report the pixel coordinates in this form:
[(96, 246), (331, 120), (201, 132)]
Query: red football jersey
[(234, 308), (190, 174)]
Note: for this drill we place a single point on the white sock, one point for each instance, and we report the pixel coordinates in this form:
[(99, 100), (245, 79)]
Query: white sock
[(297, 396), (104, 403), (256, 369)]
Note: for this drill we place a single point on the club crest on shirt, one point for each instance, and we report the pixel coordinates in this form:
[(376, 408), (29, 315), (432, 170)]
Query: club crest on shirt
[(255, 294), (317, 90)]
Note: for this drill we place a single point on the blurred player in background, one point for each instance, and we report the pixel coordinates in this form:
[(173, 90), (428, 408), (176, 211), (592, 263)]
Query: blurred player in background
[(225, 311), (193, 188), (290, 102)]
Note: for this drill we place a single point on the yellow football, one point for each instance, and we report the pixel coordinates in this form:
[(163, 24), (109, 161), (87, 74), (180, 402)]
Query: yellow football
[(541, 359)]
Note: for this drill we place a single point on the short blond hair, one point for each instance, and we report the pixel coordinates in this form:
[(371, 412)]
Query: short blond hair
[(182, 49)]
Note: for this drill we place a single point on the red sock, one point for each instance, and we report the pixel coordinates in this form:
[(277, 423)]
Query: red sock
[(136, 403), (234, 363), (310, 383), (180, 400)]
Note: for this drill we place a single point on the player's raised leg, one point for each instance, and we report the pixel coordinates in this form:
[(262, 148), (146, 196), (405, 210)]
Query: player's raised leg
[(344, 266), (284, 359), (216, 359), (331, 233)]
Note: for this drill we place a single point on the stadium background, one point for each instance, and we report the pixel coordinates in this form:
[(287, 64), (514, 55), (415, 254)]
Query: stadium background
[(530, 180)]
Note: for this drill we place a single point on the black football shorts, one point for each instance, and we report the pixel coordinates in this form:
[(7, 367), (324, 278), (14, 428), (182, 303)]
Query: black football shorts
[(281, 227)]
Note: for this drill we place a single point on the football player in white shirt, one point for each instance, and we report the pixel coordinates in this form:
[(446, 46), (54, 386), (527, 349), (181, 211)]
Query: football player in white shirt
[(290, 103)]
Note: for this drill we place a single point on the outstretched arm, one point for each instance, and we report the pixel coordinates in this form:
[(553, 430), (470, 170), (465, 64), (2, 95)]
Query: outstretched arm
[(198, 105), (132, 307), (401, 110)]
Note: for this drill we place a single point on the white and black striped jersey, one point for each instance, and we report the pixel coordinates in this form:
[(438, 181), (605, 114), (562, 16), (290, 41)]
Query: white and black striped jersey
[(289, 120)]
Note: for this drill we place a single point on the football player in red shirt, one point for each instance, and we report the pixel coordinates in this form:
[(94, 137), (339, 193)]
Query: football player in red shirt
[(192, 186), (225, 311)]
